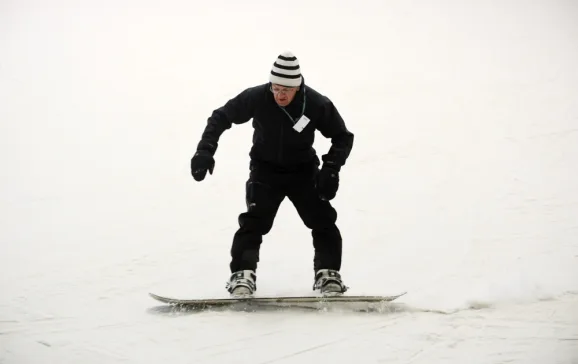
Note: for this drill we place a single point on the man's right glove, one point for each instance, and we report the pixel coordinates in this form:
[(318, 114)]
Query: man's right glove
[(202, 162)]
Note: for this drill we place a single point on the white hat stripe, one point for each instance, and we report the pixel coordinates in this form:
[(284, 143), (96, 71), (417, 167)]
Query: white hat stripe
[(296, 72), (284, 81)]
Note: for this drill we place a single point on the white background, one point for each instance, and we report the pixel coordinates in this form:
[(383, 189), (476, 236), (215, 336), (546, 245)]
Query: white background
[(461, 187)]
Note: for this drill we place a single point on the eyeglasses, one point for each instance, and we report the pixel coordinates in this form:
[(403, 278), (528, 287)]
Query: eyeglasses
[(282, 90)]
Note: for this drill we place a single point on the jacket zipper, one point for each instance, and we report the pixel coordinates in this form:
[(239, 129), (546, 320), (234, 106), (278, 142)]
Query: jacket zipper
[(293, 121), (280, 154)]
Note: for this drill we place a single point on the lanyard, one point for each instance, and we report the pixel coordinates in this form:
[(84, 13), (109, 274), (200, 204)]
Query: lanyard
[(302, 110)]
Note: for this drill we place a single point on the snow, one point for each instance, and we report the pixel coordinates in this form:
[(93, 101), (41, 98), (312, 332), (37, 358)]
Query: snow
[(461, 188)]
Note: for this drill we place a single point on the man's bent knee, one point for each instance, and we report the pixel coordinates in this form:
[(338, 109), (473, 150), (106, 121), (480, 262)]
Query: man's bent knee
[(249, 222)]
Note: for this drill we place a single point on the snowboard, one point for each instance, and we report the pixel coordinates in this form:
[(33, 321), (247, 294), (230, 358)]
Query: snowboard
[(289, 300)]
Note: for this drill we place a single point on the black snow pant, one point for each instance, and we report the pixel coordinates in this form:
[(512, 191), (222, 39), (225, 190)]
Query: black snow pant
[(266, 188)]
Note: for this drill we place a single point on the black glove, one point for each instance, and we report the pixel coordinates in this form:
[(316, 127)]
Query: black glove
[(327, 182), (202, 162)]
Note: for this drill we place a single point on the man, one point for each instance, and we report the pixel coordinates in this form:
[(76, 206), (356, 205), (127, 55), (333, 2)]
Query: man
[(286, 113)]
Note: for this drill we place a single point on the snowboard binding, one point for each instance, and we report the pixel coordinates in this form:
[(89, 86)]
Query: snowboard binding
[(329, 283)]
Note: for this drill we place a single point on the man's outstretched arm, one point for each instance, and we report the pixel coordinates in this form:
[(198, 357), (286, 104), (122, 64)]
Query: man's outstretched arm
[(237, 110)]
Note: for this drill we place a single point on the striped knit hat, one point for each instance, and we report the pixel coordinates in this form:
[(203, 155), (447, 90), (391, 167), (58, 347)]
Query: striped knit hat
[(286, 70)]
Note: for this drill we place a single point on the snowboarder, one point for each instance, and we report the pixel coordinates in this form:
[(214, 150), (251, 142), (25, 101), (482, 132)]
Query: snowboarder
[(283, 163)]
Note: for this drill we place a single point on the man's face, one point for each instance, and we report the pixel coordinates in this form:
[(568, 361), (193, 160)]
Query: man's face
[(283, 94)]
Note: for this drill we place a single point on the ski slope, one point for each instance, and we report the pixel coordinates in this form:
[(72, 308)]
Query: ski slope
[(461, 188)]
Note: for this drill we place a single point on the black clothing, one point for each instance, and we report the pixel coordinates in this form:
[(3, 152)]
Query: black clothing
[(283, 164), (266, 188), (274, 139)]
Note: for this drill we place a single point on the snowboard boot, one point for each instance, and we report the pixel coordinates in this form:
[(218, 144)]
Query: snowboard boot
[(329, 283), (242, 283)]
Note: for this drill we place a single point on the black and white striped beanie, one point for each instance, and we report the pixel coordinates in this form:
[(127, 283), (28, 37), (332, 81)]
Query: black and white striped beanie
[(286, 71)]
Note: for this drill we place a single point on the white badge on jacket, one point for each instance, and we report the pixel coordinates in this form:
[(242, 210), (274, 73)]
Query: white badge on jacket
[(301, 124)]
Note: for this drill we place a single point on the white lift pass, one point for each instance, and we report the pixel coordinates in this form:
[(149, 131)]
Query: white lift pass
[(301, 124)]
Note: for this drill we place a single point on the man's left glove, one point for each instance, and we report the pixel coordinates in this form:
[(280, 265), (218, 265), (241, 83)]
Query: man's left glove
[(327, 182), (202, 162)]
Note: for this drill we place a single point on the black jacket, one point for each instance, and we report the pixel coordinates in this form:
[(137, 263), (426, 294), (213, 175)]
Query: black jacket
[(274, 140)]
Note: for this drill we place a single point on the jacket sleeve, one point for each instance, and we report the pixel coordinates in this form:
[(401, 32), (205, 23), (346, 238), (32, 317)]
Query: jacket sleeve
[(237, 110), (332, 126)]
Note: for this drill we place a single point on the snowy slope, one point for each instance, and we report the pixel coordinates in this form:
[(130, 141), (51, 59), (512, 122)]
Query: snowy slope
[(461, 188)]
